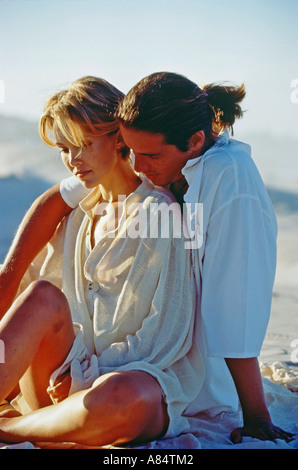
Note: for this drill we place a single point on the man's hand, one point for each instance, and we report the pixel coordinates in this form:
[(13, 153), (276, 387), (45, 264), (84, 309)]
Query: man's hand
[(262, 429), (256, 417)]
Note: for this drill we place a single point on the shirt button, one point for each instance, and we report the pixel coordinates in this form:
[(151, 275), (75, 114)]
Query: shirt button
[(91, 285)]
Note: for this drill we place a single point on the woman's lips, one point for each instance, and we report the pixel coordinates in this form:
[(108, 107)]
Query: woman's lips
[(82, 173)]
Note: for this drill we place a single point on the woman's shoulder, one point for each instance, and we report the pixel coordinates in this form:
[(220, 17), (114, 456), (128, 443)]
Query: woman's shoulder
[(157, 194)]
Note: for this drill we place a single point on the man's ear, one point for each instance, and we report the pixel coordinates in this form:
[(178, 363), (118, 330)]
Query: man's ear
[(196, 142)]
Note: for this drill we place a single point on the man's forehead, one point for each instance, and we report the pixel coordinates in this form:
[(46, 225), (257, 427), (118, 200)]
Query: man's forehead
[(143, 142)]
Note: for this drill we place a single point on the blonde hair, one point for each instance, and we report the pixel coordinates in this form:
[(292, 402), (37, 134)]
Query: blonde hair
[(87, 107)]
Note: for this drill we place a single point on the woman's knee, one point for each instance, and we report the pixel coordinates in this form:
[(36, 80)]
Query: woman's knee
[(129, 388), (132, 404), (50, 299)]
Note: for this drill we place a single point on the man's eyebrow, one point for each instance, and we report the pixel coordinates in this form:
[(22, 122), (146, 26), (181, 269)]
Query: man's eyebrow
[(149, 154)]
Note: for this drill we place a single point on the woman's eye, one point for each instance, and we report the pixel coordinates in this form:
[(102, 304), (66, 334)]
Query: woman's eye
[(63, 150)]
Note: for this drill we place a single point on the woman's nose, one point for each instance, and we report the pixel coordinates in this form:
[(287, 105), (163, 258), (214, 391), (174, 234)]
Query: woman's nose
[(75, 157)]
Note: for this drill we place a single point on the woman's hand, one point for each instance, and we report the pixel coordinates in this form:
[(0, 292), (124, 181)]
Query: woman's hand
[(60, 390)]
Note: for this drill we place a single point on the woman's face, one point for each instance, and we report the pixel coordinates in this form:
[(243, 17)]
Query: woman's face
[(93, 164)]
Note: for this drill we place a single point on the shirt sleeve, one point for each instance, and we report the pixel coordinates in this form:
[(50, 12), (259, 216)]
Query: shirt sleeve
[(238, 273), (72, 191)]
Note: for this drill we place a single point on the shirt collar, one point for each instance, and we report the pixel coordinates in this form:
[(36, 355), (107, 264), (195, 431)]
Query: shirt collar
[(193, 169), (221, 140), (90, 201)]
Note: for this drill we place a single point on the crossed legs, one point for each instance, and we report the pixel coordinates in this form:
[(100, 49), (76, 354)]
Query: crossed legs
[(120, 407)]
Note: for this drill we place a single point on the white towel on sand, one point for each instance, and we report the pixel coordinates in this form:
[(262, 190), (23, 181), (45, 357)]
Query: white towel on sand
[(213, 432)]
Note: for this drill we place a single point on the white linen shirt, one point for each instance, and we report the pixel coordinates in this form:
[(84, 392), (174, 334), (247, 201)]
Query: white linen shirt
[(132, 298), (237, 259), (234, 266)]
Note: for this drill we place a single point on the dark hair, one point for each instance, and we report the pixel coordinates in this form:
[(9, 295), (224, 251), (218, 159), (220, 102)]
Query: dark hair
[(171, 104)]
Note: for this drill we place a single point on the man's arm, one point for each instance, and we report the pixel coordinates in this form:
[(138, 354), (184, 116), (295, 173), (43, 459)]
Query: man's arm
[(35, 230), (256, 418)]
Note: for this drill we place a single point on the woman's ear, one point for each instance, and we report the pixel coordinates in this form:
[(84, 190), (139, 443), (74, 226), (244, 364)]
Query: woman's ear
[(119, 139), (121, 147)]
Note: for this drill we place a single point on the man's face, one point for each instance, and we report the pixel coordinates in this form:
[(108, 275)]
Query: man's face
[(162, 163)]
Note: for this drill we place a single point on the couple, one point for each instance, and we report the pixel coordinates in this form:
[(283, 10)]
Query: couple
[(130, 336)]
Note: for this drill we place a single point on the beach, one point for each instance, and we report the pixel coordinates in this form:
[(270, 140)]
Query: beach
[(28, 167)]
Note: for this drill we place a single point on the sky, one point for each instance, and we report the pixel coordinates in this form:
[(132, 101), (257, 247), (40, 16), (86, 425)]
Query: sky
[(46, 44)]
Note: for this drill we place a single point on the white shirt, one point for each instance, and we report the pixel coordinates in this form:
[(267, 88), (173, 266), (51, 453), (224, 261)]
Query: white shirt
[(131, 297), (234, 266)]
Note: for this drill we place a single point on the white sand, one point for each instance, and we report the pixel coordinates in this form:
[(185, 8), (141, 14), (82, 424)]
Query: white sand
[(283, 325)]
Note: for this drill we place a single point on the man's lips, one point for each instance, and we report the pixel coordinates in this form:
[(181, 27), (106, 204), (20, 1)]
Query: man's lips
[(150, 175)]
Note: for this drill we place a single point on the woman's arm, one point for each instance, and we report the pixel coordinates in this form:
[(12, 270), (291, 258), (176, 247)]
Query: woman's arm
[(35, 230)]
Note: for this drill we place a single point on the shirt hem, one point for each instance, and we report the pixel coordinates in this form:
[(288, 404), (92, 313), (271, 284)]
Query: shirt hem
[(234, 355)]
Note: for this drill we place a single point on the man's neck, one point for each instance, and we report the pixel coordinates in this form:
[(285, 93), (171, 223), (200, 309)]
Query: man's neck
[(179, 188)]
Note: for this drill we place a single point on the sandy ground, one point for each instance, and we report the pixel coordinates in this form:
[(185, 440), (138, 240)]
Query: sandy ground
[(283, 324), (282, 328)]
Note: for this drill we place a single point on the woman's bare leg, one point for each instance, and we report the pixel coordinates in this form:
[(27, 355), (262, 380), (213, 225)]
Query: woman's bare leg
[(37, 333), (120, 407)]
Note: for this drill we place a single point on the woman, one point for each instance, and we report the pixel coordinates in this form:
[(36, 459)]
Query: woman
[(106, 313)]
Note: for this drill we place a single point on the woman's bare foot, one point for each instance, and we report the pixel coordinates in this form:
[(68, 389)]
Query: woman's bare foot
[(10, 413)]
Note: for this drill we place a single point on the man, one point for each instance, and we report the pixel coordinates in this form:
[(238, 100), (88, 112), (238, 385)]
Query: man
[(178, 133)]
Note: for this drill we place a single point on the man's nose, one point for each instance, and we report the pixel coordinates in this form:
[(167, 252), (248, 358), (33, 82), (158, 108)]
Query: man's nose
[(141, 164)]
